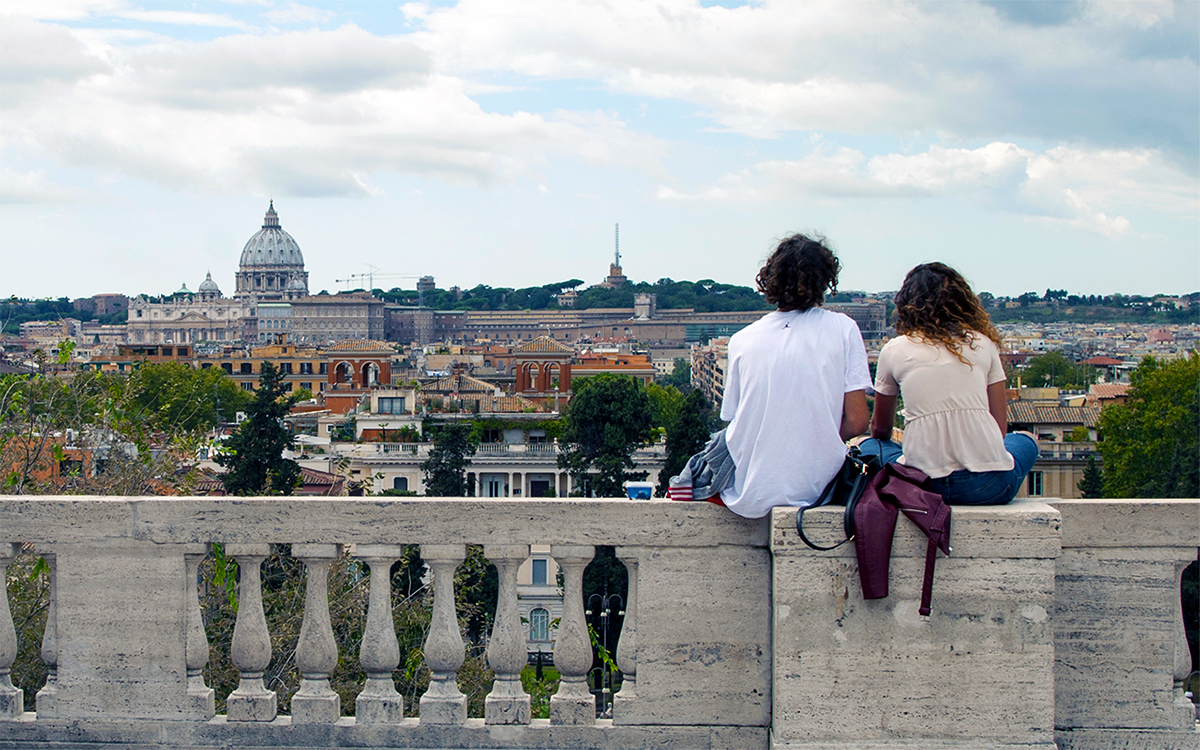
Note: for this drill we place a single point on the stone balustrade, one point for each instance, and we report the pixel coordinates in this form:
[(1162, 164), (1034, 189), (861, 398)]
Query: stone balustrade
[(1053, 625)]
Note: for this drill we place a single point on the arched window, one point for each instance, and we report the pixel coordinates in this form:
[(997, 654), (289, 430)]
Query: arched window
[(539, 625)]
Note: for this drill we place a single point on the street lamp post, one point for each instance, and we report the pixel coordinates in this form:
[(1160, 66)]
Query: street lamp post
[(600, 609)]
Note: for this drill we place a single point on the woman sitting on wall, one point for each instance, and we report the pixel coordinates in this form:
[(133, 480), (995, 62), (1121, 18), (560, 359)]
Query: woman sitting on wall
[(946, 365)]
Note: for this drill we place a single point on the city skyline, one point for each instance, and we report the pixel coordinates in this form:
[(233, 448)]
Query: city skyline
[(1031, 145)]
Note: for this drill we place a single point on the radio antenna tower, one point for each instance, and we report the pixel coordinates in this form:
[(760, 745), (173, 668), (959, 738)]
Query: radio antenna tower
[(617, 239)]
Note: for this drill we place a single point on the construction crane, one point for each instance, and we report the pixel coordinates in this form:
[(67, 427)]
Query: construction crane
[(371, 275)]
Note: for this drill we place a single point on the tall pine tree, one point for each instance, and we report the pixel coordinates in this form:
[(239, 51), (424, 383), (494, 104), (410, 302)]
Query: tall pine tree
[(446, 469)]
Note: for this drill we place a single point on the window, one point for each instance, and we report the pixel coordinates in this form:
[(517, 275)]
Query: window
[(1034, 484), (306, 368), (285, 368), (539, 624), (324, 368), (539, 571), (400, 483), (246, 368), (247, 386), (391, 405), (227, 367)]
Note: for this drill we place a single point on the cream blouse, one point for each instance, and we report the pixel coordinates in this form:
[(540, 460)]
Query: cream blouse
[(947, 425)]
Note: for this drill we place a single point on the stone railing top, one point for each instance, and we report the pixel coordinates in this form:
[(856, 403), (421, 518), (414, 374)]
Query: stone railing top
[(1023, 528), (1130, 523), (298, 520)]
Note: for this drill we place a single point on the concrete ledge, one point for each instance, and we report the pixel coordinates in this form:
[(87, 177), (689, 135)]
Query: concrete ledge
[(410, 734), (1126, 739), (1130, 523), (300, 520)]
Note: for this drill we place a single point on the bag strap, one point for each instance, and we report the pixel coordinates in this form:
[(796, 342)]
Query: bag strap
[(806, 540)]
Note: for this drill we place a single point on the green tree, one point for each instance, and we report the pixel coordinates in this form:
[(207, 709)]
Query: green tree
[(1054, 369), (446, 469), (1091, 485), (253, 455), (1150, 444), (665, 403), (607, 420), (685, 438), (173, 396), (680, 376)]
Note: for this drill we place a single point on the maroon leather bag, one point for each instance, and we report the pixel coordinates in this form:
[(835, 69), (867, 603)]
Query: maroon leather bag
[(898, 489)]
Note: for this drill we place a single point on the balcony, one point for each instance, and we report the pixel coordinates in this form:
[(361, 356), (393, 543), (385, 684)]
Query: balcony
[(1053, 624)]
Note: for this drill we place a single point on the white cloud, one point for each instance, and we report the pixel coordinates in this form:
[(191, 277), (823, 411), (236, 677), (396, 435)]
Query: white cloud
[(1079, 188), (311, 113), (32, 187)]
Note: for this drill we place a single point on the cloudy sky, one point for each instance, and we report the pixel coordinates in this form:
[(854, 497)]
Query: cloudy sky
[(1031, 144)]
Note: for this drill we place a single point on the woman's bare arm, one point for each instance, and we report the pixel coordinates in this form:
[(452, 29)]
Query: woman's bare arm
[(854, 414), (998, 405), (883, 419)]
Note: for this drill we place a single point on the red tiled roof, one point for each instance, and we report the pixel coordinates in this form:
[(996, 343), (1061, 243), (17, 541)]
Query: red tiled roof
[(1023, 412), (1102, 362), (362, 345), (1109, 390), (543, 345)]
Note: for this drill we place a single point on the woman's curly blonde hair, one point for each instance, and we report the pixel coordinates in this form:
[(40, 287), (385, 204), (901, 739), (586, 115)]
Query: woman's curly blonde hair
[(936, 303)]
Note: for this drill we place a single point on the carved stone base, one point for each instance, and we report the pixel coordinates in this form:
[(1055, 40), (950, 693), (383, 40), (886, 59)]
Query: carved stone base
[(379, 704), (316, 703), (12, 703), (573, 705), (443, 704), (625, 704), (202, 702), (251, 702), (47, 701), (506, 704)]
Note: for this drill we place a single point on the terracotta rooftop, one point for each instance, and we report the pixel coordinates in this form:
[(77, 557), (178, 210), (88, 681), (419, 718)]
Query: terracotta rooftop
[(543, 345), (1109, 390), (458, 384), (1024, 412), (1102, 362), (361, 345)]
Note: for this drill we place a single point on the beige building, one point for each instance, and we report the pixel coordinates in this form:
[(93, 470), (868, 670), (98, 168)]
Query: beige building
[(186, 317)]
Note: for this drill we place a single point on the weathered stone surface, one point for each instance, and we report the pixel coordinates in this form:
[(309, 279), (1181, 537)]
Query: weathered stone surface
[(281, 734), (704, 638), (1119, 631), (121, 631), (351, 521), (867, 673)]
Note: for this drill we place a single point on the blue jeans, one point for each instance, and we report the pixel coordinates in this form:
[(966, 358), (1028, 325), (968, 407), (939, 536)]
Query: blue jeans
[(965, 487)]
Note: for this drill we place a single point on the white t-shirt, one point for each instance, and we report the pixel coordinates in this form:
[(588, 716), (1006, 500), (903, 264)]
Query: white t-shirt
[(785, 384), (947, 424)]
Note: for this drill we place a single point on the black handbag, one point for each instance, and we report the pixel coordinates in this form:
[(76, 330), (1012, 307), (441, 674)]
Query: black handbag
[(846, 487)]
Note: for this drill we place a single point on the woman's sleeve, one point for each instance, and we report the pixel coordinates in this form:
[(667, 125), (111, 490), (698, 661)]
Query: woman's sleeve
[(995, 367), (885, 378)]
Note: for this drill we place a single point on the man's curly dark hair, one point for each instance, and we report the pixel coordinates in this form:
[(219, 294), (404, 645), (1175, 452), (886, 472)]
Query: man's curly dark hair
[(936, 303), (798, 273)]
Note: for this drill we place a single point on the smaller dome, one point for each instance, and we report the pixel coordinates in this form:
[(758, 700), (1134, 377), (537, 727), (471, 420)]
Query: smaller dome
[(184, 290), (208, 286)]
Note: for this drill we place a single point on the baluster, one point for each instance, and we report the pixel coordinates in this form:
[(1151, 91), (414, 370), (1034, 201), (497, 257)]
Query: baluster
[(250, 650), (1186, 710), (201, 697), (573, 703), (12, 699), (47, 704), (379, 703), (507, 651), (443, 702), (316, 652), (627, 646)]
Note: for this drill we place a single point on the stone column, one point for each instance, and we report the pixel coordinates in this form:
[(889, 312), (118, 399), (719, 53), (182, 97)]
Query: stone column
[(250, 650), (507, 652), (316, 652), (573, 703), (201, 698), (47, 703), (379, 703), (12, 699), (443, 703), (626, 656)]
